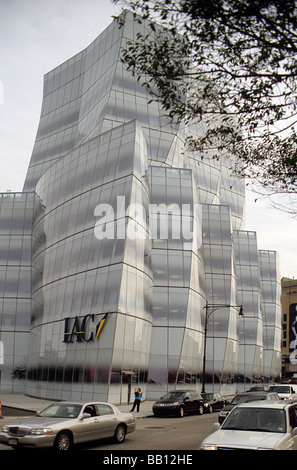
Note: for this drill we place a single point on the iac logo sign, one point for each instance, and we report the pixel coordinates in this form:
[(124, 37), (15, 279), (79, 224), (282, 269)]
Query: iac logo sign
[(79, 329)]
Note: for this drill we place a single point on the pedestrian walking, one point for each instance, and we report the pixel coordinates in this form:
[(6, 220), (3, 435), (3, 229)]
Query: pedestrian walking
[(137, 399)]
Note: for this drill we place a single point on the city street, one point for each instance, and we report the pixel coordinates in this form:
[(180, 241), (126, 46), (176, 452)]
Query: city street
[(160, 434), (166, 434)]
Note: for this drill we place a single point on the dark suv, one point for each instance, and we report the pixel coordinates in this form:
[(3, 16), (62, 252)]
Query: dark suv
[(244, 398), (179, 402)]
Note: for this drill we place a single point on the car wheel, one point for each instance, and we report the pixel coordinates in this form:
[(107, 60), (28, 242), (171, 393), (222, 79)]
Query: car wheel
[(63, 441), (181, 411), (210, 410), (120, 434), (200, 409)]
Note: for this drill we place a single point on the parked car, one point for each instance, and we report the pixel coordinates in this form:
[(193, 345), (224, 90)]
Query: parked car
[(259, 388), (63, 424), (178, 403), (285, 391), (213, 402), (244, 398), (264, 425)]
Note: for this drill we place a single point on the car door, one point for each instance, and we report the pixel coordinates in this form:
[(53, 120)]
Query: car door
[(215, 402), (88, 428), (107, 420), (188, 402), (196, 402), (219, 402)]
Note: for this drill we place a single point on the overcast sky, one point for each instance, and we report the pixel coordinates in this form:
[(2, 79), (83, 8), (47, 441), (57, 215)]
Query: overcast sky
[(38, 35)]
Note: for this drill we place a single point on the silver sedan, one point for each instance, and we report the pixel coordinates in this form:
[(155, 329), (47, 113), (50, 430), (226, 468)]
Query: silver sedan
[(63, 424)]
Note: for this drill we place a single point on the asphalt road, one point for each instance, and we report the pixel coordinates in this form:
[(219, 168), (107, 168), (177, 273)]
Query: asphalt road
[(165, 434), (159, 434), (8, 412)]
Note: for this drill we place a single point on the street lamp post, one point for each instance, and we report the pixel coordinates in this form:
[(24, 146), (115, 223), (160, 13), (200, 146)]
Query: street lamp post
[(210, 308)]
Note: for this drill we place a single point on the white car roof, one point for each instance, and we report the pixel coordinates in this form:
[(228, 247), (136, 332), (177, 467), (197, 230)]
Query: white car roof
[(265, 404), (80, 402)]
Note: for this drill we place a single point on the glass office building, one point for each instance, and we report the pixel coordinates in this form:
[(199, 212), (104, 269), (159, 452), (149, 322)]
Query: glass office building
[(126, 235)]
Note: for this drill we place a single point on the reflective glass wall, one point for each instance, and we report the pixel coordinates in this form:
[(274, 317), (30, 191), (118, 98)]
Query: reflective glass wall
[(92, 268), (271, 308), (17, 212), (250, 361), (222, 331), (178, 293)]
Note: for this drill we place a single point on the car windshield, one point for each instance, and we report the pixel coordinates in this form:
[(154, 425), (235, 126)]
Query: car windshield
[(173, 396), (279, 389), (245, 398), (61, 411), (256, 419)]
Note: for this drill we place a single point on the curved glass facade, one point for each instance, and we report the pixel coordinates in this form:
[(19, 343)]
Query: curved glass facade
[(131, 234), (251, 348), (272, 311), (17, 212)]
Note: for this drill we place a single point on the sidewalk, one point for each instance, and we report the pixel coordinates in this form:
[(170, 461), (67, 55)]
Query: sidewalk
[(24, 402)]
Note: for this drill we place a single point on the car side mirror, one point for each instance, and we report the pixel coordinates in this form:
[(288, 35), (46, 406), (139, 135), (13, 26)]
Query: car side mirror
[(294, 432), (216, 426), (86, 415)]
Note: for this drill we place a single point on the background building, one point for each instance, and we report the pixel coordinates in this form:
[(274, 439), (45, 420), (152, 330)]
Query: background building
[(132, 234), (289, 330)]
